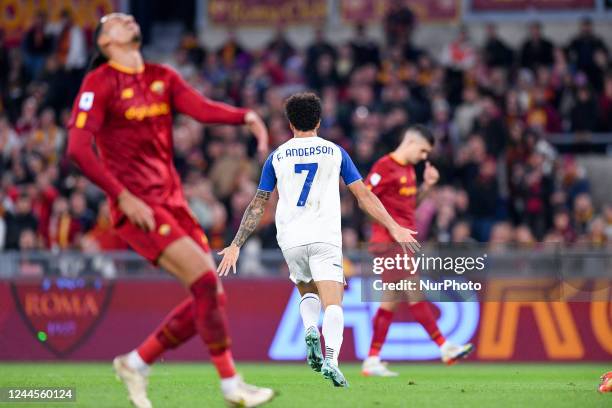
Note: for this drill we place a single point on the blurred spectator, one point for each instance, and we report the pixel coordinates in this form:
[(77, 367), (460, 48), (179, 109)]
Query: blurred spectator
[(64, 229), (48, 139), (319, 47), (467, 112), (536, 49), (588, 53), (459, 54), (605, 106), (496, 52), (502, 236), (22, 220), (28, 120), (83, 215), (365, 50), (583, 212), (399, 23), (562, 231), (230, 170), (542, 115), (596, 233), (584, 116), (196, 54), (461, 233), (9, 141), (232, 54), (523, 236), (37, 44), (71, 48), (324, 73), (483, 197), (573, 181), (280, 44)]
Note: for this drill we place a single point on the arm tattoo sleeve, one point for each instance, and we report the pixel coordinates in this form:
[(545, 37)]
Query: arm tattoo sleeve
[(251, 217)]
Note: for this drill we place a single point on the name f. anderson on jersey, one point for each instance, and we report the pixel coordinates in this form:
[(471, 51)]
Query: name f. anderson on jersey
[(304, 151)]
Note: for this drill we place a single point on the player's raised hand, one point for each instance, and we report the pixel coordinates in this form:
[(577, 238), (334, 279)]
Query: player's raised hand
[(230, 257), (136, 210), (405, 237), (259, 130), (431, 174)]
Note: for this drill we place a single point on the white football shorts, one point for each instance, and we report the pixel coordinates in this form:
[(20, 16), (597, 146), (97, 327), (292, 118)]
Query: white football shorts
[(318, 261)]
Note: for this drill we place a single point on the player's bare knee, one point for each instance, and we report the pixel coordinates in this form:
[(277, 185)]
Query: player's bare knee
[(186, 260), (389, 306)]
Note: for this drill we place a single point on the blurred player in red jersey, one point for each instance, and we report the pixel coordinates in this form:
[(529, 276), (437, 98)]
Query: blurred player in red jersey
[(125, 105), (393, 180)]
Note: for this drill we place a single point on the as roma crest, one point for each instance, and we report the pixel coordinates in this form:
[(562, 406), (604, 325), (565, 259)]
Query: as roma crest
[(62, 313)]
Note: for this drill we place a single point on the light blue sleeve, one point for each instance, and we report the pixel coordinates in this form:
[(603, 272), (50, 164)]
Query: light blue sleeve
[(268, 175), (348, 171)]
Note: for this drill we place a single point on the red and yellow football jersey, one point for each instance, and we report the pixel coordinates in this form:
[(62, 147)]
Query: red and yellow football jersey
[(395, 185), (130, 115)]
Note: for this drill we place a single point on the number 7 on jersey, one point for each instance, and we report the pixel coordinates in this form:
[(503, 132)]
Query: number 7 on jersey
[(311, 168)]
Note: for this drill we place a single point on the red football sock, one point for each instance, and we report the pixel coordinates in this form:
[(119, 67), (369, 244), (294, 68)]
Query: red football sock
[(175, 330), (211, 321), (224, 363), (423, 314), (382, 321)]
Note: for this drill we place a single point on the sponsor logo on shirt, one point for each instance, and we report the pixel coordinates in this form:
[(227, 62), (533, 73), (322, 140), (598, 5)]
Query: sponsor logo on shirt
[(157, 87), (407, 191), (127, 93), (147, 111)]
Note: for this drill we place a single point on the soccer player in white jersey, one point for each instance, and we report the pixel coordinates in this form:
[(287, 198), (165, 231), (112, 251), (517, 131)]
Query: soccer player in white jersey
[(306, 170)]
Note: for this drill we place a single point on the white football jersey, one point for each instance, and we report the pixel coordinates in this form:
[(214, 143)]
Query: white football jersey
[(307, 173)]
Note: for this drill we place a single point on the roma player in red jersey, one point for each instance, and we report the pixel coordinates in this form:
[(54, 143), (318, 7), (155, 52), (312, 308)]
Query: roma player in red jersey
[(393, 180), (125, 105)]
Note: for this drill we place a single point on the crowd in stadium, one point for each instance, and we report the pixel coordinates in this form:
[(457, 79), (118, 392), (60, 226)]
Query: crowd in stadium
[(491, 107)]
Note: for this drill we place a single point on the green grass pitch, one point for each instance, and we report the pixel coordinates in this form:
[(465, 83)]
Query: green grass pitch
[(419, 385)]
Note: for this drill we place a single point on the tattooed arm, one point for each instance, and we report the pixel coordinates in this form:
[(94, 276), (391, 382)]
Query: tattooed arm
[(249, 222), (251, 217)]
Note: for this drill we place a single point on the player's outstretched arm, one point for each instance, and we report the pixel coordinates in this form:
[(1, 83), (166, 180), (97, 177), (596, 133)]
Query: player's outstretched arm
[(250, 221), (372, 205)]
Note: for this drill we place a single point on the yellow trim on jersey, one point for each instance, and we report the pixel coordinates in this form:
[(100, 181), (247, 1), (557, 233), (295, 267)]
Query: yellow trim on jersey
[(397, 160), (81, 120), (124, 69)]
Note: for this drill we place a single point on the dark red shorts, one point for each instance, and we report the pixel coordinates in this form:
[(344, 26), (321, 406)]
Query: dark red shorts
[(171, 223)]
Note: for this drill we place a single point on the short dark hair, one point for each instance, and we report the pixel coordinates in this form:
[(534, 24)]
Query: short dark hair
[(303, 111), (423, 131)]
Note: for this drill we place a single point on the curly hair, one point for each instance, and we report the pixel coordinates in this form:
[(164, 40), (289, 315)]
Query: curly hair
[(303, 111)]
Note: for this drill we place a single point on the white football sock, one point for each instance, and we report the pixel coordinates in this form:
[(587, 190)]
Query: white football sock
[(137, 363), (333, 328), (310, 309), (229, 385)]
